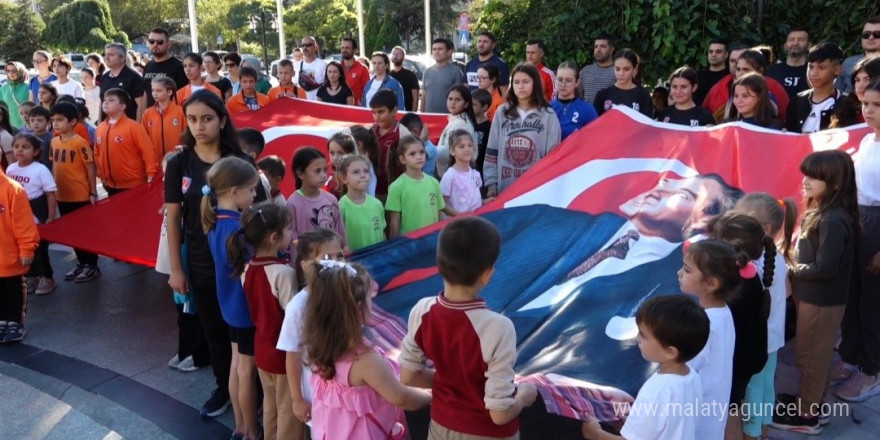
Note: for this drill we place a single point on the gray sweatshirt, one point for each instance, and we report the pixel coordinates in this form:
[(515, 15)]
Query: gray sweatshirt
[(515, 145)]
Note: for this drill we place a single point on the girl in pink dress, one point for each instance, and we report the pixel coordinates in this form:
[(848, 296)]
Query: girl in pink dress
[(357, 394)]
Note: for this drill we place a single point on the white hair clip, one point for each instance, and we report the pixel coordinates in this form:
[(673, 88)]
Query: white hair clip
[(327, 263)]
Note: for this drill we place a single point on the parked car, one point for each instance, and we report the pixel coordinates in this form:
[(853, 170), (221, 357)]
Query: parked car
[(77, 59)]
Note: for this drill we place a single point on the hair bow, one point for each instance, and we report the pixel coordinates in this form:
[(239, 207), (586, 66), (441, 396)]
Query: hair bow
[(327, 263)]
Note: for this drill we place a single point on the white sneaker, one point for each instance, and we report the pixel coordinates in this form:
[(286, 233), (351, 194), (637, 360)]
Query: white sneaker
[(187, 365), (174, 362)]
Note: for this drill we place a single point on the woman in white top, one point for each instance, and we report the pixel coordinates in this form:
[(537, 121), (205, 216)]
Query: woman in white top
[(92, 95), (65, 86)]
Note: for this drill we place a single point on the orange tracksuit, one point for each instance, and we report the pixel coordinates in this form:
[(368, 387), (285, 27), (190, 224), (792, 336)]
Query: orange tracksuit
[(291, 92), (186, 91), (18, 232), (164, 127), (124, 154), (236, 103)]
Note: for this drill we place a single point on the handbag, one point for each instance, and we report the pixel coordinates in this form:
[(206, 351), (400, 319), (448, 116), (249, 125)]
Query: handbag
[(306, 81)]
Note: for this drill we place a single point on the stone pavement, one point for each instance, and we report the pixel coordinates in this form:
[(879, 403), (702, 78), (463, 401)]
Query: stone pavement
[(93, 366)]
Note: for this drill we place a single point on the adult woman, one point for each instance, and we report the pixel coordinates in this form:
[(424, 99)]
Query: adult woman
[(64, 85), (488, 80), (209, 136), (15, 91), (6, 135), (41, 61), (213, 64), (382, 80), (96, 62), (335, 90), (849, 112)]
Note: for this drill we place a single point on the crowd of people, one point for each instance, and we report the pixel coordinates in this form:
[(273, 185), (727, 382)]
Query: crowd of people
[(264, 295)]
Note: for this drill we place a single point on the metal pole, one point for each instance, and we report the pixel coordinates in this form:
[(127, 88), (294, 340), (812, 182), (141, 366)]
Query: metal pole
[(428, 27), (360, 12), (265, 49), (193, 29), (282, 48)]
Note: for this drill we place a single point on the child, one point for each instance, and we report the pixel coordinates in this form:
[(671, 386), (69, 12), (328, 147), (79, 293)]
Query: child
[(47, 95), (572, 111), (750, 309), (414, 199), (367, 145), (820, 277), (91, 94), (684, 111), (473, 349), (458, 102), (525, 126), (672, 330), (778, 219), (40, 187), (286, 87), (461, 183), (362, 213), (134, 160), (248, 99), (414, 124), (192, 68), (810, 111), (310, 206), (24, 111), (388, 133), (165, 121), (860, 329), (481, 101), (269, 283), (312, 246), (19, 240), (38, 118), (339, 145), (232, 181), (711, 272), (64, 85), (751, 102), (74, 170), (627, 89), (273, 168), (253, 144)]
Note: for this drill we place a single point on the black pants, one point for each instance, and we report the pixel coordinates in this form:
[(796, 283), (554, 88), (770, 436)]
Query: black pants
[(82, 256), (113, 191), (860, 328), (191, 338), (13, 299), (204, 287), (41, 267)]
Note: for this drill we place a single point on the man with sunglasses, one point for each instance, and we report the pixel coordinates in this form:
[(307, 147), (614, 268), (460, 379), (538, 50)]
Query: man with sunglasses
[(312, 67), (162, 64), (870, 44)]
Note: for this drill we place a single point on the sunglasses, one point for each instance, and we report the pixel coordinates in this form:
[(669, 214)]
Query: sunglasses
[(159, 42), (231, 65), (11, 71), (869, 34)]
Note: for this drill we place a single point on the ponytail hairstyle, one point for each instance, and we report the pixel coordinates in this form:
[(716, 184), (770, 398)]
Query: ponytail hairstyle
[(835, 168), (228, 137), (337, 306), (686, 73), (258, 223), (394, 167), (746, 234), (166, 81), (367, 144), (302, 159), (717, 259), (226, 174), (779, 214), (493, 73), (35, 142), (307, 246), (634, 59), (344, 164)]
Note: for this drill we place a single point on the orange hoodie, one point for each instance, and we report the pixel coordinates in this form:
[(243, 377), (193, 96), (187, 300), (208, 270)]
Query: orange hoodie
[(124, 154), (18, 232), (186, 91), (236, 103), (164, 127)]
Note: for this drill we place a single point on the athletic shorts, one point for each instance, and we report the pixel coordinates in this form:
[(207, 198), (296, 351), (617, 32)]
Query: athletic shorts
[(244, 337)]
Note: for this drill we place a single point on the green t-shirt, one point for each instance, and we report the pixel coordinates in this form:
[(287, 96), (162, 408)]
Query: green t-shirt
[(419, 202), (365, 223)]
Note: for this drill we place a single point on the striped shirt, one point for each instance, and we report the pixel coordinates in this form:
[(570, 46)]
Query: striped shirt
[(595, 78)]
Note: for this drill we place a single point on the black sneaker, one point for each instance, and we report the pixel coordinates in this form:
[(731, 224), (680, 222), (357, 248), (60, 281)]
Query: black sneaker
[(71, 275), (789, 399), (797, 423), (216, 405), (88, 273), (3, 325), (14, 332)]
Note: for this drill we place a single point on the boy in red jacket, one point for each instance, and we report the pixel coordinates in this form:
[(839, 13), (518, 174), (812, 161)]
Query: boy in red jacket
[(18, 242)]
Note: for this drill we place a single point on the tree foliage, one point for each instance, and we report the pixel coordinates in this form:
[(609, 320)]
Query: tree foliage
[(409, 17), (23, 34), (666, 33), (326, 20), (83, 25), (137, 17)]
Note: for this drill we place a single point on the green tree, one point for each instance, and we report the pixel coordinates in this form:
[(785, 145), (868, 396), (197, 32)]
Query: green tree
[(137, 17), (388, 36), (371, 28), (409, 17), (326, 20), (83, 25), (24, 36)]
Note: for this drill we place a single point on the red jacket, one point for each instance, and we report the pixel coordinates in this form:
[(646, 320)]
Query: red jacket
[(719, 96), (548, 80)]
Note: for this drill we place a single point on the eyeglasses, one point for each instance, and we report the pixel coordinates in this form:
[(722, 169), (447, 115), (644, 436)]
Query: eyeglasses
[(11, 71), (868, 34), (35, 61), (158, 42), (228, 65), (308, 44)]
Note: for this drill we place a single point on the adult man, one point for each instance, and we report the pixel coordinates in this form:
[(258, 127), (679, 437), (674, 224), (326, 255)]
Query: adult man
[(162, 64), (871, 46), (706, 78), (792, 74), (356, 75), (535, 50), (312, 67), (120, 76), (440, 77), (408, 80), (600, 74), (486, 54)]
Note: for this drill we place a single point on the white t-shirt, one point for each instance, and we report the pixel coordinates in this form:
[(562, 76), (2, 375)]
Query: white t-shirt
[(714, 364), (374, 87), (35, 178), (776, 321), (290, 338), (6, 141), (317, 68), (93, 103), (71, 88), (661, 409), (867, 163)]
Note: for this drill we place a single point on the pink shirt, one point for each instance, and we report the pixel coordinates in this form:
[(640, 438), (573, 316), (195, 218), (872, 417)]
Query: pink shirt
[(312, 213), (462, 188)]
